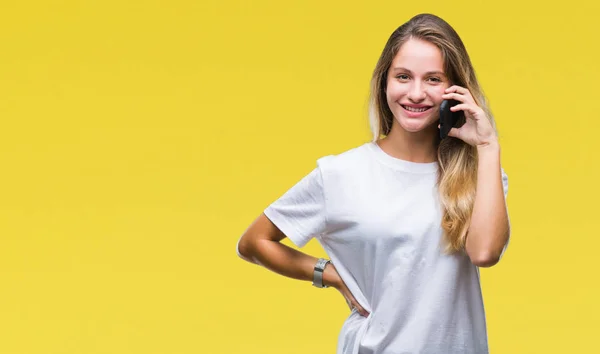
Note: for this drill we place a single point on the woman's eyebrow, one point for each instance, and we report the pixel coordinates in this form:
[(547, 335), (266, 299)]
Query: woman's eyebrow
[(435, 72)]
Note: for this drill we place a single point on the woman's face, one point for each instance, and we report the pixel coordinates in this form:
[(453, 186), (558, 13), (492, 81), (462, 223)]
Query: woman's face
[(415, 85)]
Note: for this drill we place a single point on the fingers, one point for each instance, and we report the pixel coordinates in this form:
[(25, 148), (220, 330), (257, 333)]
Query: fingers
[(461, 107), (467, 103), (454, 96), (360, 310), (458, 93), (473, 110), (350, 300), (458, 89), (458, 97), (354, 305)]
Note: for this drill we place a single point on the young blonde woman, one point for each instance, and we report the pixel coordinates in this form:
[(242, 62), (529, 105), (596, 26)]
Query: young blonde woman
[(407, 218)]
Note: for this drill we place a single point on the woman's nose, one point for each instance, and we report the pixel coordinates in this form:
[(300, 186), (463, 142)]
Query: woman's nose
[(416, 93)]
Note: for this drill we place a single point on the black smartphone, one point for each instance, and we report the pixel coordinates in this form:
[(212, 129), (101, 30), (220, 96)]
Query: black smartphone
[(448, 119)]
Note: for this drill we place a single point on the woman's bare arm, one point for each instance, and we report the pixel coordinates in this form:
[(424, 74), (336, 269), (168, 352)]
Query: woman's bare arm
[(490, 229), (260, 244)]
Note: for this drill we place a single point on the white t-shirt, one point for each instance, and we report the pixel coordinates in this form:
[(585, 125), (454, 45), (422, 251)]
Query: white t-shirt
[(378, 219)]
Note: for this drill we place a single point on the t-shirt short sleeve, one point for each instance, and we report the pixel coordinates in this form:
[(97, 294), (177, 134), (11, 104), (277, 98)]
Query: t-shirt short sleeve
[(300, 212), (505, 187), (504, 182)]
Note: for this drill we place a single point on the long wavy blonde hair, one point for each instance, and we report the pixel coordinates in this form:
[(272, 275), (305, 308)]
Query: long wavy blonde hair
[(457, 160)]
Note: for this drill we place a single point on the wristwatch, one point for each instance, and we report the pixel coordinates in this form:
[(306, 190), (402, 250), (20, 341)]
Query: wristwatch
[(318, 274)]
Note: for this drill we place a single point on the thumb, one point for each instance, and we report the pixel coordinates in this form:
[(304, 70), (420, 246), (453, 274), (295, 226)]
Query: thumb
[(355, 305), (454, 132), (360, 309)]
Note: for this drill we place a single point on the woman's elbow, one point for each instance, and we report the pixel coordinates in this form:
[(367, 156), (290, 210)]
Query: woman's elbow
[(485, 259), (485, 256), (243, 250)]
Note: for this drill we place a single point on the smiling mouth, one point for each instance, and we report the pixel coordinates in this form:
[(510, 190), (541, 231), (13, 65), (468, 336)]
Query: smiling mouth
[(416, 110)]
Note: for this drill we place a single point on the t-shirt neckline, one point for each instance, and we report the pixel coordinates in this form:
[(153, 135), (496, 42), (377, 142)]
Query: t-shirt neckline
[(404, 165)]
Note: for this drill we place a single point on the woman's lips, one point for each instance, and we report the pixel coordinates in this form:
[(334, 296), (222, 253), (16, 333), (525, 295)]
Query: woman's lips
[(415, 111)]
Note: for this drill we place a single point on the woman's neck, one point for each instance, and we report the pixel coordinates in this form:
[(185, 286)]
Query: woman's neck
[(420, 147)]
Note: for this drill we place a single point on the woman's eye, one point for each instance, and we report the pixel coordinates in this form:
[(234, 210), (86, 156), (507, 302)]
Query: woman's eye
[(435, 79), (402, 77)]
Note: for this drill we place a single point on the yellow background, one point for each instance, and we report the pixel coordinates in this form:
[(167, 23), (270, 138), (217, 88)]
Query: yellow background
[(139, 139)]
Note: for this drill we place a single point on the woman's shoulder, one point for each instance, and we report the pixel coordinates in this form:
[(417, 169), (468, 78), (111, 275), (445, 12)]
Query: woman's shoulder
[(346, 158), (346, 162)]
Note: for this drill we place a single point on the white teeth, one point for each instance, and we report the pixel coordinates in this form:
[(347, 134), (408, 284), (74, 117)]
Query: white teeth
[(415, 109)]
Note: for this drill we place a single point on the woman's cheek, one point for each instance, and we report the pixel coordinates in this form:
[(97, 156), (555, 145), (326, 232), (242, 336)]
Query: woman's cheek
[(437, 96)]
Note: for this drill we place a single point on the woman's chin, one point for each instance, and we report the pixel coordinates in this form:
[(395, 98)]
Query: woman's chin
[(415, 126)]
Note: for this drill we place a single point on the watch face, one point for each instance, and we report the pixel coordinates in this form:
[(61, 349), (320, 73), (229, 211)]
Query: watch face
[(321, 263), (318, 274)]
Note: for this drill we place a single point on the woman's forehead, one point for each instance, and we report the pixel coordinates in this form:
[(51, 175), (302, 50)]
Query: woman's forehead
[(418, 56)]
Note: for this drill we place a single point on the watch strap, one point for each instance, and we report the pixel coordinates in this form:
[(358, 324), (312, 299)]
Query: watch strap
[(318, 273)]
